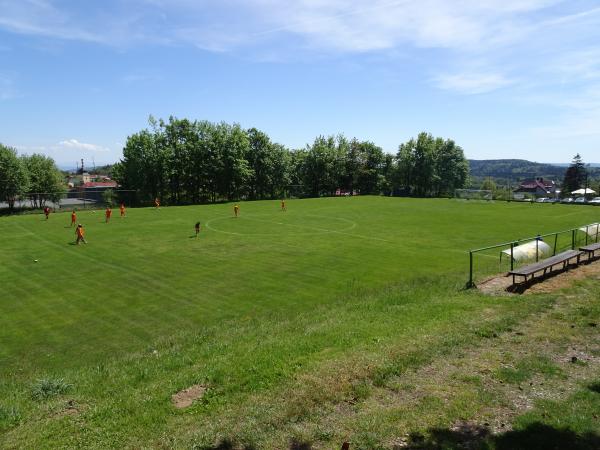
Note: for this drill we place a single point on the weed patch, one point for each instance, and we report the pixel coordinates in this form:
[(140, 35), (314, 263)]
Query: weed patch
[(45, 388)]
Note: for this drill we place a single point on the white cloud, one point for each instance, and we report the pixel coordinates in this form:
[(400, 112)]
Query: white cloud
[(74, 144), (68, 151), (71, 145)]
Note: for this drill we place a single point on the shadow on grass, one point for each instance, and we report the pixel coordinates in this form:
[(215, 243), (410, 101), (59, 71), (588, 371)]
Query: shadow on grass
[(521, 287), (536, 436), (228, 444), (595, 387)]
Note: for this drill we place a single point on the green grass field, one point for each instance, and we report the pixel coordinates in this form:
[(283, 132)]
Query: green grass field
[(282, 315)]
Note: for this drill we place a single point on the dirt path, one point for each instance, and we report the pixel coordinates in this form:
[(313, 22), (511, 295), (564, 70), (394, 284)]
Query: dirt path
[(500, 284)]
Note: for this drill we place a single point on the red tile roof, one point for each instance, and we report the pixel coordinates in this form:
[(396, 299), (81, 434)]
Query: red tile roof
[(92, 184), (532, 185)]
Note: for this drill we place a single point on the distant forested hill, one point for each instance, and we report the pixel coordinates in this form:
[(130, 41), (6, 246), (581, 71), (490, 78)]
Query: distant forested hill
[(514, 169), (511, 171)]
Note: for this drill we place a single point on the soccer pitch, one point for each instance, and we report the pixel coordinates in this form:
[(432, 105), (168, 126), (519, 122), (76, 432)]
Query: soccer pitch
[(146, 308)]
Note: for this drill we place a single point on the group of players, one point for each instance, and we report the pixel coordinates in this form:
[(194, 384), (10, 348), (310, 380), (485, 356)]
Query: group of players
[(80, 231)]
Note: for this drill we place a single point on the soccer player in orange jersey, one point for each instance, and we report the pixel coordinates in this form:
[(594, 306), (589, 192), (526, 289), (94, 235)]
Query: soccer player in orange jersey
[(80, 233), (122, 209), (73, 218), (108, 214), (283, 208), (236, 210)]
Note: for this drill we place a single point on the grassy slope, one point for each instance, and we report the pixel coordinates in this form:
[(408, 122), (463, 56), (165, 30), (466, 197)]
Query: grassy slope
[(267, 300)]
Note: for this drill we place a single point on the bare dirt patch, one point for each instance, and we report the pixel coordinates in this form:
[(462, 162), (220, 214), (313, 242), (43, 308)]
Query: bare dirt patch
[(185, 398), (71, 408), (501, 284)]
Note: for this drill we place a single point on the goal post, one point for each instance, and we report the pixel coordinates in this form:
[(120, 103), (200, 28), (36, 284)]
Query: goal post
[(473, 194)]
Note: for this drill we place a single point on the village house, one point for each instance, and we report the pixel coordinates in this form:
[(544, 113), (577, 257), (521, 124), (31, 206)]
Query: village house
[(537, 187)]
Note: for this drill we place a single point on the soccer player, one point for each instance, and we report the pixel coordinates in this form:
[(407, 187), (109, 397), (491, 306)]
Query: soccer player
[(197, 228), (122, 209), (73, 218), (80, 233), (47, 212), (283, 208), (157, 203), (236, 210), (108, 213)]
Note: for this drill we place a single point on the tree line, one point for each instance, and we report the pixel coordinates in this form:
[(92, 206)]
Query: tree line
[(182, 161), (35, 176)]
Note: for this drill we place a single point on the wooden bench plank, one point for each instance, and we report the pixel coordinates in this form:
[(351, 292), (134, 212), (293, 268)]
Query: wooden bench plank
[(590, 249), (557, 259), (548, 263)]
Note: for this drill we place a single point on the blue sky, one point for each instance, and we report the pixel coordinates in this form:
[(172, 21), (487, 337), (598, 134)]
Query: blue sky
[(503, 78)]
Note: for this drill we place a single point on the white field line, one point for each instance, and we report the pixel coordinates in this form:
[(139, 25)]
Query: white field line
[(326, 230)]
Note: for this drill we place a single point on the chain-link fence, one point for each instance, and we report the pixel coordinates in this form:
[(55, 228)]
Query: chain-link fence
[(73, 199)]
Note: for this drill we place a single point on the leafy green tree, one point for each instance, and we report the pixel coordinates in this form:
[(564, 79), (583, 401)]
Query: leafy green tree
[(370, 170), (430, 166), (235, 172), (489, 185), (386, 179), (265, 159), (141, 166), (14, 179), (451, 167), (178, 138), (322, 171), (296, 165), (404, 166), (109, 196), (281, 170), (423, 164), (46, 181)]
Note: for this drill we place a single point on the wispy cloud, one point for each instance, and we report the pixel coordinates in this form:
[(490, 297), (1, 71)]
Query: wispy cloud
[(140, 77), (41, 17), (473, 83), (343, 25), (481, 45)]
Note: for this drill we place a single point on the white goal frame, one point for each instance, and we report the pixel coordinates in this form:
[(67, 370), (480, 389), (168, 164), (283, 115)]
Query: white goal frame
[(474, 194)]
